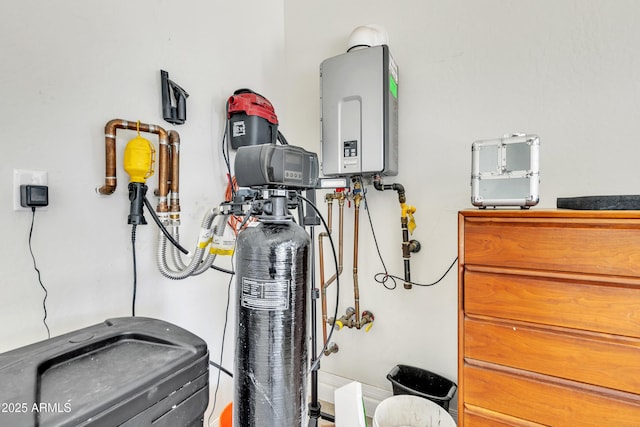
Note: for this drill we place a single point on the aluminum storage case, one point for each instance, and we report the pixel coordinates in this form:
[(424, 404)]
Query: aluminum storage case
[(506, 171)]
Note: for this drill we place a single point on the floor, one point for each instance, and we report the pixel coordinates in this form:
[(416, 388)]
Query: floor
[(329, 409)]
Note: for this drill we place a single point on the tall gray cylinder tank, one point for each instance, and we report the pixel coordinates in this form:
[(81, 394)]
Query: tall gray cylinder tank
[(270, 375)]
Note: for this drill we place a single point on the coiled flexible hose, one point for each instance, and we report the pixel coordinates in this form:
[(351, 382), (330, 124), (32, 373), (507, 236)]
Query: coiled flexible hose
[(177, 272)]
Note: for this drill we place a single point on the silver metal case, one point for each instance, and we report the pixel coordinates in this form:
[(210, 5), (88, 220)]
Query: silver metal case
[(359, 107), (506, 171)]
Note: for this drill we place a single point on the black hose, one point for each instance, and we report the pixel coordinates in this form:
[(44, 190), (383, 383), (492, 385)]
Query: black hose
[(163, 228), (220, 368)]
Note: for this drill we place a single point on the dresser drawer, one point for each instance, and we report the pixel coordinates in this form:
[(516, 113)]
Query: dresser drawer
[(546, 401), (598, 359), (609, 247), (579, 304), (474, 416), (549, 318)]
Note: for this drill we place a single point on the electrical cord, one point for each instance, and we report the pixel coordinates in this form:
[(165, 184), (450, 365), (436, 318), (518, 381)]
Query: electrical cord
[(135, 270), (393, 278), (383, 278), (162, 228), (335, 259), (219, 366), (35, 267), (226, 156), (282, 139), (375, 240)]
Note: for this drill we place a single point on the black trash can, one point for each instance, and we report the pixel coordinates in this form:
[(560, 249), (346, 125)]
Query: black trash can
[(419, 382)]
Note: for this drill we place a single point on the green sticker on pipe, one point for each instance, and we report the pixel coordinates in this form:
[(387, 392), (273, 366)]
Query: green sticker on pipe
[(393, 87)]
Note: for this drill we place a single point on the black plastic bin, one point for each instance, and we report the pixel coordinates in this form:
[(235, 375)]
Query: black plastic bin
[(418, 382), (129, 371)]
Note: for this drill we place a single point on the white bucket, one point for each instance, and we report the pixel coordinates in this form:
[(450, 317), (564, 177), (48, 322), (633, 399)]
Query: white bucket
[(411, 411)]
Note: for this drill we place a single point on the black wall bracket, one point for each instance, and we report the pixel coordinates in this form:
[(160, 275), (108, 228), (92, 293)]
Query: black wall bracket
[(174, 100)]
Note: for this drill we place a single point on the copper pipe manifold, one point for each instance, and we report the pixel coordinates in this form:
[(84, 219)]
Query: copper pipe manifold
[(352, 318), (168, 171)]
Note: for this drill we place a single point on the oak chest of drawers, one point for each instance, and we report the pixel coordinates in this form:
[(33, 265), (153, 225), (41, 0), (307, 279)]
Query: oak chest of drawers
[(549, 318)]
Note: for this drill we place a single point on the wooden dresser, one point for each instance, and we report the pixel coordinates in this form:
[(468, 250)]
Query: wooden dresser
[(549, 318)]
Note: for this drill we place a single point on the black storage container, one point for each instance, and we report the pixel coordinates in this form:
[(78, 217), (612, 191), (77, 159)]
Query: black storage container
[(251, 119), (418, 382), (124, 372)]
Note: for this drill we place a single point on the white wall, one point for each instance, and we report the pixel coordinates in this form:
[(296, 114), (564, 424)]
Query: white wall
[(67, 68), (568, 71)]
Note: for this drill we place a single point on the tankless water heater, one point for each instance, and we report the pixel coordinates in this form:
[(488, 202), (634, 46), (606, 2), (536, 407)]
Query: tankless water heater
[(359, 107)]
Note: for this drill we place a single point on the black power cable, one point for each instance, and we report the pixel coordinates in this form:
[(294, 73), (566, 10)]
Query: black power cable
[(387, 276), (383, 278), (219, 366), (162, 228), (135, 270), (35, 267)]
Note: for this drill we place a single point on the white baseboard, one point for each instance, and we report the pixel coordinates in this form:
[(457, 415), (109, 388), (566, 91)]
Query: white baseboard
[(372, 396)]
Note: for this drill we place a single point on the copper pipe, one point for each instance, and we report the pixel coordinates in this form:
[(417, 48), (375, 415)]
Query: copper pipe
[(110, 158), (329, 198), (174, 203), (323, 286), (356, 225), (110, 180), (341, 197), (163, 177)]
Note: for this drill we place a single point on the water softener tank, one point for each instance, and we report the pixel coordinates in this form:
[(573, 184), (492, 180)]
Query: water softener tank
[(272, 274)]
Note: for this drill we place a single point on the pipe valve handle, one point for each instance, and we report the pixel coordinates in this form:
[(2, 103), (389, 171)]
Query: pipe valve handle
[(368, 319)]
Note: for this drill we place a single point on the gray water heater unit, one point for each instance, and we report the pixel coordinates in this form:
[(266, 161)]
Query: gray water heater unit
[(359, 107)]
